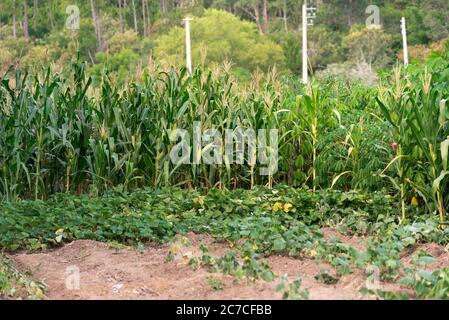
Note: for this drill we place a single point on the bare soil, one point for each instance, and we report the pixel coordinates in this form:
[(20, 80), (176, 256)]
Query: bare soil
[(107, 272)]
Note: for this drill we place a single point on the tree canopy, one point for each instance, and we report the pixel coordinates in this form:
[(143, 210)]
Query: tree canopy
[(122, 35), (220, 36)]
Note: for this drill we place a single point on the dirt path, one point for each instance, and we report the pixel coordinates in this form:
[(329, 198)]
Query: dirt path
[(108, 273)]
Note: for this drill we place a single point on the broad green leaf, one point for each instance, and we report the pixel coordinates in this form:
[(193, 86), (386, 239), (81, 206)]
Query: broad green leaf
[(279, 244)]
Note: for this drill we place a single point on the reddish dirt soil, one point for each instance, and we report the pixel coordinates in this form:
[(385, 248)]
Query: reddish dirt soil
[(109, 273)]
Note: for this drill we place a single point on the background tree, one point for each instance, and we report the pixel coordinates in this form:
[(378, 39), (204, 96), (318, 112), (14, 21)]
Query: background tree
[(42, 23), (370, 46), (219, 36)]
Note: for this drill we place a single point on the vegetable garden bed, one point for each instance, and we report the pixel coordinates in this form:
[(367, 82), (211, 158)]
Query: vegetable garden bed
[(174, 243)]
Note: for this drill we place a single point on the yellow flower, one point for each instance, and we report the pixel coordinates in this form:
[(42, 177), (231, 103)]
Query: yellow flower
[(246, 258), (175, 248), (199, 200), (40, 294), (277, 206), (287, 207), (414, 202), (313, 253), (255, 247), (59, 231)]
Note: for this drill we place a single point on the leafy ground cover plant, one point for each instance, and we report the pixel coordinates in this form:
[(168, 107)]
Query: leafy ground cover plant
[(16, 285), (429, 285), (422, 285), (243, 265), (292, 290), (146, 215), (255, 223)]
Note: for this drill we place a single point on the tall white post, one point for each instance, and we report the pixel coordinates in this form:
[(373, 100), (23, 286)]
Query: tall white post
[(404, 39), (188, 48), (305, 74)]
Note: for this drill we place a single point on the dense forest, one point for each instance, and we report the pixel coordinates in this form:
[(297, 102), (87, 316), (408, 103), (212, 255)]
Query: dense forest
[(124, 36)]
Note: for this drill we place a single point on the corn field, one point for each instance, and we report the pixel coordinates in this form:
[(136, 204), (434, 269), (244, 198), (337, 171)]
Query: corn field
[(67, 136), (60, 134)]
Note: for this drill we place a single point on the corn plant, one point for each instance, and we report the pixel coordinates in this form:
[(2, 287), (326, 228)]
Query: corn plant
[(73, 134), (428, 126), (419, 120), (395, 106)]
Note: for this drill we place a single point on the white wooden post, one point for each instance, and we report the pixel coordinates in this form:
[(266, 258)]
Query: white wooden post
[(404, 39), (188, 48), (305, 74)]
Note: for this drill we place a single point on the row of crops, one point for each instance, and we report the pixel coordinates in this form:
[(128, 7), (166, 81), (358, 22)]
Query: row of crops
[(69, 135), (254, 224)]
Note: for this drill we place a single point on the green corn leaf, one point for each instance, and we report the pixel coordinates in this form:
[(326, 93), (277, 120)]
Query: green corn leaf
[(444, 153), (442, 117), (385, 111), (335, 180), (437, 182)]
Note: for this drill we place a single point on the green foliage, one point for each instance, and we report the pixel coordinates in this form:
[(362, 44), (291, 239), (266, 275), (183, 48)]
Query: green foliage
[(329, 38), (121, 136), (419, 120), (370, 46), (120, 217), (99, 130), (217, 37), (326, 278), (146, 215), (292, 290), (429, 285), (425, 285), (16, 285), (215, 282), (357, 146), (250, 269)]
